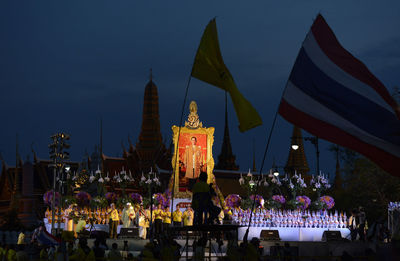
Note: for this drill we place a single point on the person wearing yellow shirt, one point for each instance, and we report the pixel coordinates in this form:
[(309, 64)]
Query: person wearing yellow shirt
[(144, 221), (11, 254), (158, 217), (188, 216), (48, 215), (177, 217), (114, 218), (2, 251), (21, 238), (166, 219)]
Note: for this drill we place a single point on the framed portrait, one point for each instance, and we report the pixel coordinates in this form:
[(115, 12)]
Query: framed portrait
[(193, 152)]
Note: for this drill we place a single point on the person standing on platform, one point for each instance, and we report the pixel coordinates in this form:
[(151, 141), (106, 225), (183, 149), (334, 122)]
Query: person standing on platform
[(362, 220), (114, 216), (353, 224), (201, 199), (188, 217), (158, 217), (177, 217), (144, 221), (166, 219), (21, 238), (128, 215)]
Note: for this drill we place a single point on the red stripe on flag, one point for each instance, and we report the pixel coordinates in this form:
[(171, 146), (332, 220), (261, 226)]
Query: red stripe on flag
[(385, 160), (329, 44)]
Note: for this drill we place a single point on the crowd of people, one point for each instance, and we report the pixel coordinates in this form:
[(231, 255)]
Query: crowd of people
[(262, 217), (75, 219)]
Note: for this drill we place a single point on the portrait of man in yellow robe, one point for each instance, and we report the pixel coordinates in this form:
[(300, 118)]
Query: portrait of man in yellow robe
[(193, 159)]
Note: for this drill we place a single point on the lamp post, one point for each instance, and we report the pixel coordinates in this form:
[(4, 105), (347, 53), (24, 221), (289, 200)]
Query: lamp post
[(150, 181), (314, 140), (58, 155)]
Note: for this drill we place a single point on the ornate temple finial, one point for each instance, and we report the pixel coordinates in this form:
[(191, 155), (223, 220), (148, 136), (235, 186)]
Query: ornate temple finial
[(193, 121), (151, 74)]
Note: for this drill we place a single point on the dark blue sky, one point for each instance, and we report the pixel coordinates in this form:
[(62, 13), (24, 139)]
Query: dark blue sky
[(63, 66)]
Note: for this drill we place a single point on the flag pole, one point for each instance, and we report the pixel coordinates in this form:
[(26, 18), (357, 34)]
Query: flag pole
[(265, 154), (177, 144), (261, 168)]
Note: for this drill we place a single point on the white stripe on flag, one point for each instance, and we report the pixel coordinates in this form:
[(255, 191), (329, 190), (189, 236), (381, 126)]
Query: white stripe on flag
[(302, 102), (319, 58)]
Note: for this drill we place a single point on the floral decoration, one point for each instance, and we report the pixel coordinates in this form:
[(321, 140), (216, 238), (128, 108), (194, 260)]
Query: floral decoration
[(279, 198), (233, 200), (161, 199), (111, 197), (48, 198), (136, 198), (259, 200), (327, 201), (304, 202), (83, 198)]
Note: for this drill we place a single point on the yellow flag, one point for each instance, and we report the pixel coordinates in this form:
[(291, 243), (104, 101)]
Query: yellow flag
[(210, 68)]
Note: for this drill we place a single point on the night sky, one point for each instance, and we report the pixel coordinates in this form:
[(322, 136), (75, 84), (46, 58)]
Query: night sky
[(64, 65)]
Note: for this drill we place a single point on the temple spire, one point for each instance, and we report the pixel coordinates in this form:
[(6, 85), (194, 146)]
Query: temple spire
[(16, 185), (150, 139), (226, 159), (338, 177), (297, 159)]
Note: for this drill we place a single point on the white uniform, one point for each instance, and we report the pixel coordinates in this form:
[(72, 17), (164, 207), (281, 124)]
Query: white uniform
[(128, 214)]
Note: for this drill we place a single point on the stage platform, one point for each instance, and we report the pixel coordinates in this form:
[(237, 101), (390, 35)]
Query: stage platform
[(293, 233), (285, 233)]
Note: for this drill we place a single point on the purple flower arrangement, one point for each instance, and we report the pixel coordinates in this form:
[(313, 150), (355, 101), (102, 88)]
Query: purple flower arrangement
[(161, 199), (259, 200), (111, 197), (83, 198), (327, 201), (279, 198), (233, 201), (303, 201), (136, 198), (48, 197)]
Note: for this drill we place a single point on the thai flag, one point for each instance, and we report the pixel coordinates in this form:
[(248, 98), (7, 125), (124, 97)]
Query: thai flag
[(47, 239), (333, 95)]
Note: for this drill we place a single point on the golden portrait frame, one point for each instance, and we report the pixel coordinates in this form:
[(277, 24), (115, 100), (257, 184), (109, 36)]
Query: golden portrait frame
[(208, 161)]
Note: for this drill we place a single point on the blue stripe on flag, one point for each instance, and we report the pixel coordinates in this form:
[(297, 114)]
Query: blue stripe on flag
[(362, 112)]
